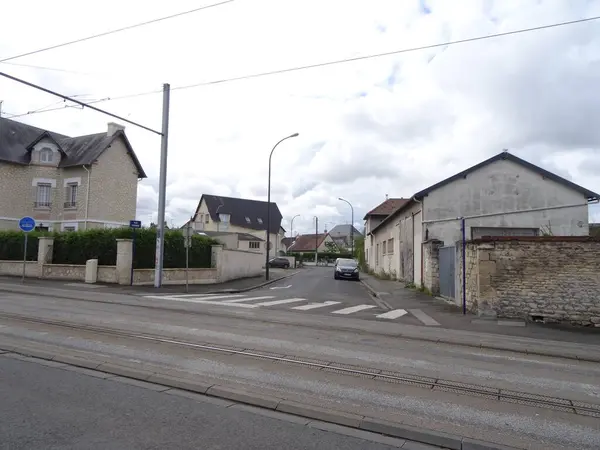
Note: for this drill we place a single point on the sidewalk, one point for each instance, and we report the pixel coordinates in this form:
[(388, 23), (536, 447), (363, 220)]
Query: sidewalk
[(240, 285), (394, 295)]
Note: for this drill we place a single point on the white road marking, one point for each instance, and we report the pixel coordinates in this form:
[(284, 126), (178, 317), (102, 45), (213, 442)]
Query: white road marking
[(353, 309), (188, 295), (240, 300), (429, 321), (281, 302), (206, 302), (193, 297), (393, 314), (282, 287), (314, 306)]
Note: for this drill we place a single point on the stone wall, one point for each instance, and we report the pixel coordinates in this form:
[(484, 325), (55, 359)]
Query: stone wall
[(63, 272), (175, 276), (431, 265), (551, 279)]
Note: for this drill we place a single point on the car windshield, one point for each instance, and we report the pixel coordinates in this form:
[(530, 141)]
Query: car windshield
[(347, 263)]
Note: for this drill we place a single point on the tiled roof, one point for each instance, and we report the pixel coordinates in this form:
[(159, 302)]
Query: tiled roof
[(16, 140), (344, 231), (388, 207), (242, 212), (307, 242), (287, 241)]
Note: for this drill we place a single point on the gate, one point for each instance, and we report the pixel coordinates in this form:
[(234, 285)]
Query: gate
[(447, 262)]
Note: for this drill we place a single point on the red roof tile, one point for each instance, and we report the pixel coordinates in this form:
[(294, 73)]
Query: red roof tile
[(387, 207), (306, 242)]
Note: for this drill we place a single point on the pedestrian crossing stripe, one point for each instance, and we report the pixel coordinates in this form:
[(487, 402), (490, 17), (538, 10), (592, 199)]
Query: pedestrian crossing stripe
[(243, 301)]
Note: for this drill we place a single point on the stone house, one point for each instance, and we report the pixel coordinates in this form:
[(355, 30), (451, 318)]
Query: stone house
[(228, 214), (501, 196), (67, 183)]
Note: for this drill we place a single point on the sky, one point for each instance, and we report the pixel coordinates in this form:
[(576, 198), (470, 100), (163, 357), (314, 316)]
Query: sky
[(384, 126)]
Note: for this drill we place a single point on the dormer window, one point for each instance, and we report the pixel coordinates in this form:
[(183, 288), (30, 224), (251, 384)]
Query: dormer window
[(259, 220), (247, 219), (46, 155)]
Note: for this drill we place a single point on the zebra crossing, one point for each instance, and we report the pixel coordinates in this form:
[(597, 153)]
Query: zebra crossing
[(246, 301)]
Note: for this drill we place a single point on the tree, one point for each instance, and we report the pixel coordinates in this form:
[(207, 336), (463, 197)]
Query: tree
[(359, 252), (331, 247)]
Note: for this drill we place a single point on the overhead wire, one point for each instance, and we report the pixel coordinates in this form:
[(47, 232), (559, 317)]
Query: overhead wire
[(118, 30), (345, 60)]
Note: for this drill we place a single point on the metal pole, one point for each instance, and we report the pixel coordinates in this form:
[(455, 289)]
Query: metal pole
[(162, 188), (132, 257), (316, 240), (351, 225), (269, 208), (187, 262), (292, 226), (24, 258), (464, 269)]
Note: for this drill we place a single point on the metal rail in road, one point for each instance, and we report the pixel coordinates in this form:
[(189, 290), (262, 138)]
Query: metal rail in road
[(437, 384)]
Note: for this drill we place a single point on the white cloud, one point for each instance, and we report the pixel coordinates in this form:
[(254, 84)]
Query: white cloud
[(391, 125)]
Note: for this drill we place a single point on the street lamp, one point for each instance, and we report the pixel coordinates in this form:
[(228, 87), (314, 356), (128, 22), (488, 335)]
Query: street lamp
[(269, 207), (351, 226), (292, 226)]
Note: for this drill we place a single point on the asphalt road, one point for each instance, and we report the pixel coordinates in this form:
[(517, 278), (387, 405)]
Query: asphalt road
[(45, 407), (479, 418)]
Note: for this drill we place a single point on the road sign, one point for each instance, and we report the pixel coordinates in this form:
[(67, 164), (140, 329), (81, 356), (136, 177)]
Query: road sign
[(135, 224), (27, 224), (187, 236)]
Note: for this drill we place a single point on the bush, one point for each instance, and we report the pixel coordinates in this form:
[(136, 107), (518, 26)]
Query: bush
[(12, 243), (79, 246)]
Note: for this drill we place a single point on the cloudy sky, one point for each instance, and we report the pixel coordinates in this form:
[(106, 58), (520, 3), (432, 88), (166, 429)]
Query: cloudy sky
[(391, 125)]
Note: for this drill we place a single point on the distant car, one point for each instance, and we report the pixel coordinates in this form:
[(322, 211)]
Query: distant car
[(282, 263), (346, 269)]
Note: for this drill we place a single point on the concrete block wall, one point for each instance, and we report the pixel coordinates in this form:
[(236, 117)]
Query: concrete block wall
[(553, 279)]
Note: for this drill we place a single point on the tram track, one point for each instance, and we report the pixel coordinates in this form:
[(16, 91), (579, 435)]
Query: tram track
[(431, 383)]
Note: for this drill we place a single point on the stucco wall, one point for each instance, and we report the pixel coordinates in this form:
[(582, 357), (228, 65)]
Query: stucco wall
[(175, 276), (554, 279), (107, 274), (232, 264), (113, 185), (63, 272), (15, 268), (500, 188)]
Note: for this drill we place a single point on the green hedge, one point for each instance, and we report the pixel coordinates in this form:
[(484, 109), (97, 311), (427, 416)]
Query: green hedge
[(12, 243), (77, 247)]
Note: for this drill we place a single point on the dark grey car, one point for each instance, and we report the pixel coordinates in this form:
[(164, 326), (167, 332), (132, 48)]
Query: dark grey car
[(282, 263), (346, 269)]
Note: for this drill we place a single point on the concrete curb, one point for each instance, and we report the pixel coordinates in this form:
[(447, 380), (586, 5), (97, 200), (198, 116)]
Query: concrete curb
[(372, 291), (238, 396), (250, 288)]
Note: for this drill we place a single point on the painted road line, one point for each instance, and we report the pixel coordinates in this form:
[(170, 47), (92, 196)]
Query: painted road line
[(314, 306), (429, 321), (190, 295), (193, 297), (249, 299), (393, 314), (282, 287), (281, 302), (353, 309), (203, 302)]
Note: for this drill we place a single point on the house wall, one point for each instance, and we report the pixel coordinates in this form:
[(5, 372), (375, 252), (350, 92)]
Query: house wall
[(113, 185), (496, 189), (556, 279), (234, 264)]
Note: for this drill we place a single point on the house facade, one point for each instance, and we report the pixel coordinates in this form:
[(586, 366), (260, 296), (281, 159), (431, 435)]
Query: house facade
[(236, 241), (67, 183), (306, 243), (228, 214), (502, 196), (343, 235)]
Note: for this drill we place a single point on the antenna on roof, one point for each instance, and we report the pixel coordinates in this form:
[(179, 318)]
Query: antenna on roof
[(505, 150), (386, 196)]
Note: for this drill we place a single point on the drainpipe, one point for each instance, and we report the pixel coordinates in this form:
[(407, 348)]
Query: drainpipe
[(87, 196), (464, 265)]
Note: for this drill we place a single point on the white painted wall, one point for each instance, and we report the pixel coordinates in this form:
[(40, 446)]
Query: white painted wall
[(500, 188)]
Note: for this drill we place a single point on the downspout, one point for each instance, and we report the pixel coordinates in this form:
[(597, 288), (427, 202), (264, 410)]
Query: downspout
[(464, 265), (87, 196)]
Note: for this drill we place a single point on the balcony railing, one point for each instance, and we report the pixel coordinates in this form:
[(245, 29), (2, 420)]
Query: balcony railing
[(70, 205), (42, 204)]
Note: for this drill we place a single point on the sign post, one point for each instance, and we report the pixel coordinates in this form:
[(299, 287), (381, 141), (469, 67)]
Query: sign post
[(134, 225), (187, 241), (26, 224)]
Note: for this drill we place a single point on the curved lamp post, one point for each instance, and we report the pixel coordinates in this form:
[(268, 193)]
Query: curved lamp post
[(269, 208), (292, 225), (351, 226)]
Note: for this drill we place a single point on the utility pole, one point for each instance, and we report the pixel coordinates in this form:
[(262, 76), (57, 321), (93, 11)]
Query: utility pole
[(351, 225), (162, 188), (316, 240)]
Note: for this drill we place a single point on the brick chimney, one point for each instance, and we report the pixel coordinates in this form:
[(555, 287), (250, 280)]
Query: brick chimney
[(113, 128)]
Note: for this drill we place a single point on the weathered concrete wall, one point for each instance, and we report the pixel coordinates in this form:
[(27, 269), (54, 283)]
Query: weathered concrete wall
[(175, 276), (554, 279), (233, 264), (15, 268), (431, 265), (107, 274), (63, 272), (498, 189)]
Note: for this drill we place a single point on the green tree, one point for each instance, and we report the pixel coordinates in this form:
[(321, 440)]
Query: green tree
[(359, 252), (331, 247)]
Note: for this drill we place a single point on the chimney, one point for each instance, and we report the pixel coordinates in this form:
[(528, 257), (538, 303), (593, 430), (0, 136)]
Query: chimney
[(325, 231), (386, 196), (113, 128)]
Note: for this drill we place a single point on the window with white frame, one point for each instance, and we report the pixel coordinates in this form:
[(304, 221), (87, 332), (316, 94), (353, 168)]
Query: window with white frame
[(248, 219), (254, 245), (259, 220), (43, 195), (46, 155), (71, 195), (224, 219)]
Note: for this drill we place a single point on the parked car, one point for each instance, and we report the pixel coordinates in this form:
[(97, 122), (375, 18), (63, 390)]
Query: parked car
[(282, 263), (346, 269)]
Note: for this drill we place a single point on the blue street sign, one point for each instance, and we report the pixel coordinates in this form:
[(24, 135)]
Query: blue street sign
[(27, 224), (135, 224)]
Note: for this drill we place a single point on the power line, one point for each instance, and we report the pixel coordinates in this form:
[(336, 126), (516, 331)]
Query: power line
[(335, 62), (64, 97), (129, 27), (379, 55)]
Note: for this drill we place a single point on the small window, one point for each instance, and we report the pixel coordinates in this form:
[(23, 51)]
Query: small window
[(206, 218), (259, 220), (69, 228), (384, 247), (43, 194), (71, 195), (247, 219), (390, 246), (254, 245), (46, 155)]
